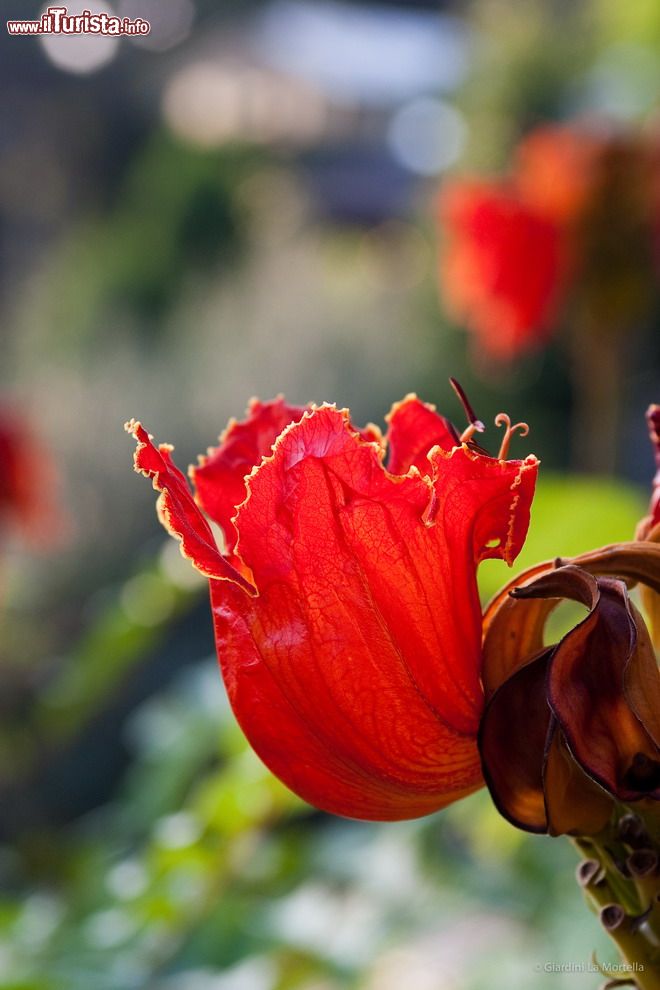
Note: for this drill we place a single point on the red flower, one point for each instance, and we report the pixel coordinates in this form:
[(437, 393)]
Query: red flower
[(649, 527), (27, 477), (504, 267), (558, 170), (578, 215), (652, 519), (347, 619)]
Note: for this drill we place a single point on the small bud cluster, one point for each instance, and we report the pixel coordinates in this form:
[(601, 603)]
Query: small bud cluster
[(621, 879)]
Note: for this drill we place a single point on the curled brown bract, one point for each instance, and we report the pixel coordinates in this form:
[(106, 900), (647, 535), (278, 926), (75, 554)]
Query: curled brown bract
[(569, 729)]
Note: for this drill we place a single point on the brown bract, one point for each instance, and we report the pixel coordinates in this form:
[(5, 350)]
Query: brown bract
[(572, 727)]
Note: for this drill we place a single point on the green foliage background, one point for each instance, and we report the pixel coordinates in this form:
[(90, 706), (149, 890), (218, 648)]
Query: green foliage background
[(142, 844), (204, 872)]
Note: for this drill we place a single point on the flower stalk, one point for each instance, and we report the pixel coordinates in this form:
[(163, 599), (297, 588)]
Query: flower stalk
[(621, 882)]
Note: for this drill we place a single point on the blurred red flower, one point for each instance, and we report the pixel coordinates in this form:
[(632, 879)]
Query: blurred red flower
[(27, 480), (652, 519), (577, 218), (649, 527), (346, 613), (504, 269)]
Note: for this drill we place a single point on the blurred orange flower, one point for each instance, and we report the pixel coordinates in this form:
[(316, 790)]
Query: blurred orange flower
[(576, 224)]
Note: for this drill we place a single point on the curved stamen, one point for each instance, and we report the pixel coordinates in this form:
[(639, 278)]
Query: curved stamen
[(474, 425), (502, 419), (464, 401)]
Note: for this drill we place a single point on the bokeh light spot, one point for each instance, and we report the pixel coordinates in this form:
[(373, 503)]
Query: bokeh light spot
[(426, 135), (170, 22), (81, 53)]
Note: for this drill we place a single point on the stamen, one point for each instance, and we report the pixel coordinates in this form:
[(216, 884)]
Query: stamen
[(464, 401), (470, 430), (502, 419), (474, 425)]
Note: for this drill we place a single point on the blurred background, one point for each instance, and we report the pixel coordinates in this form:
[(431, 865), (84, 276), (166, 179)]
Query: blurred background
[(245, 202)]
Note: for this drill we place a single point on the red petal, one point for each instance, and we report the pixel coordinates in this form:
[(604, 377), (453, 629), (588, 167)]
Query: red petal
[(177, 510), (653, 517), (649, 526), (414, 428), (318, 752), (653, 422), (368, 619), (219, 478), (482, 501)]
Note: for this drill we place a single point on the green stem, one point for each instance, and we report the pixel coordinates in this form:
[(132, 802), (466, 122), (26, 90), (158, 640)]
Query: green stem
[(622, 885)]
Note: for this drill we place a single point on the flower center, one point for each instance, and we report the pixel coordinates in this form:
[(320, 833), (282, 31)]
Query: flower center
[(475, 425)]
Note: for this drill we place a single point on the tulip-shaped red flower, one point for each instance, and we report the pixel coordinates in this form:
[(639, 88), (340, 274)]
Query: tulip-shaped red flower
[(346, 611)]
